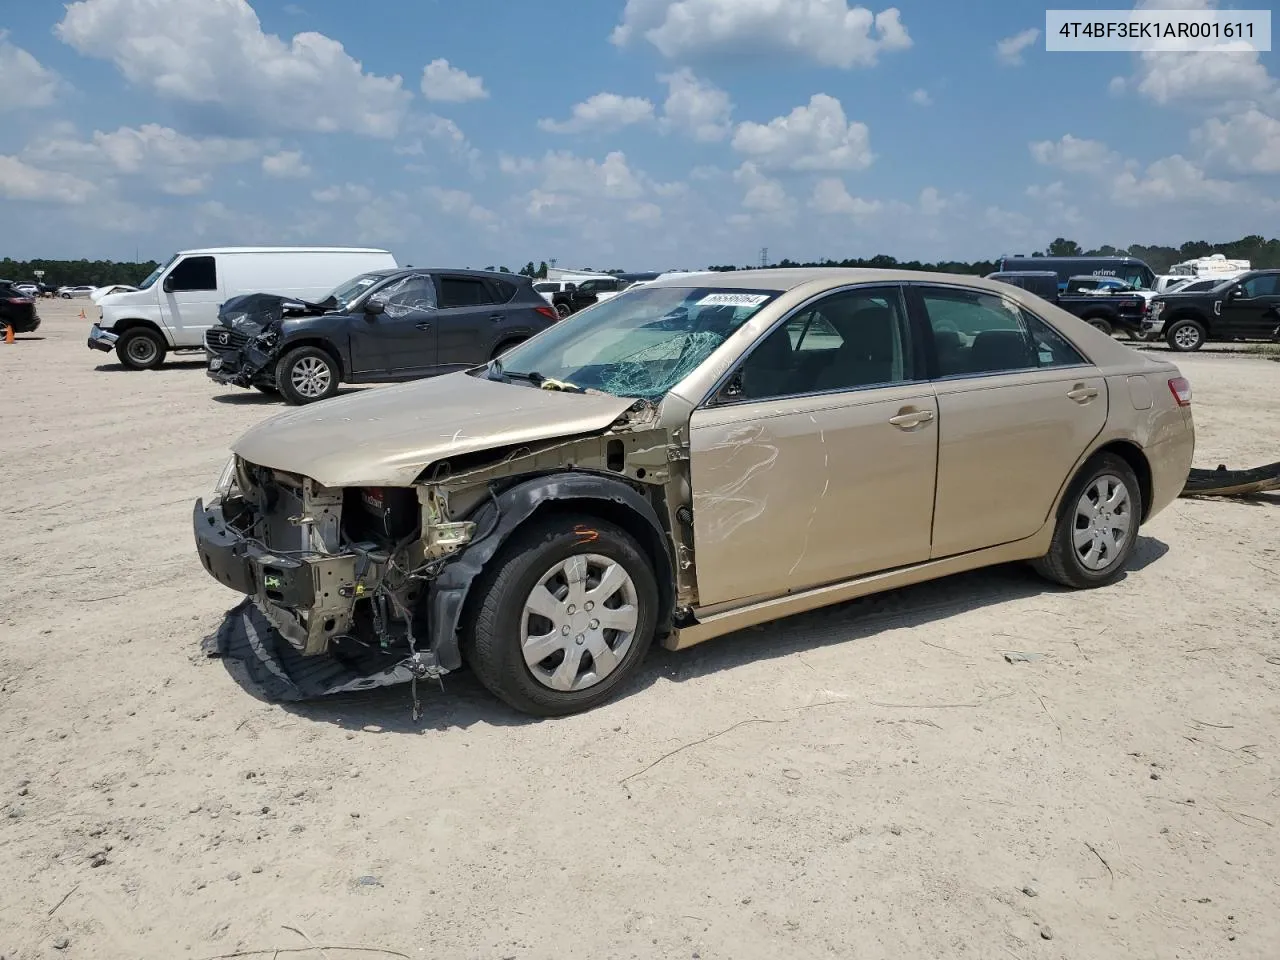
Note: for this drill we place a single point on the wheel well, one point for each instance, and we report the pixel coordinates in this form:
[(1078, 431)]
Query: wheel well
[(319, 345), (1132, 454), (505, 345), (640, 529), (1179, 316), (124, 326)]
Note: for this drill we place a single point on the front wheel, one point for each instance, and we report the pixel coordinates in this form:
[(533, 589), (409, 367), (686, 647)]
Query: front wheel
[(1186, 335), (306, 375), (1097, 526), (141, 349), (563, 616)]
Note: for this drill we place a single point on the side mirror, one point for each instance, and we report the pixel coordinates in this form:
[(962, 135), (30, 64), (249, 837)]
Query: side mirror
[(167, 286), (374, 307)]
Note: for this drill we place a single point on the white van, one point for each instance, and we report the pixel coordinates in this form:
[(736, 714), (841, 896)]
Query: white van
[(174, 306)]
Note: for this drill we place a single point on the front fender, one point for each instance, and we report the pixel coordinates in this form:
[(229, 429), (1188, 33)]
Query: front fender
[(448, 594)]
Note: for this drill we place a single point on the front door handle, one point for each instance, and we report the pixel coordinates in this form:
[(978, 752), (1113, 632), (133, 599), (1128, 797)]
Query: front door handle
[(424, 325), (1082, 394), (496, 317), (910, 419)]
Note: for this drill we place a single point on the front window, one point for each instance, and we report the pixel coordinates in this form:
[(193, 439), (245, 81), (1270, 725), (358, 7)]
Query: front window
[(640, 345), (1263, 285), (345, 293), (155, 274), (1137, 276)]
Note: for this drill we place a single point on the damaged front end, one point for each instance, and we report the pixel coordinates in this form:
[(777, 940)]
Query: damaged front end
[(244, 345), (358, 587)]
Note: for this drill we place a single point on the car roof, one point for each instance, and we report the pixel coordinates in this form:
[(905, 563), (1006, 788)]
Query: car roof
[(224, 250), (781, 279)]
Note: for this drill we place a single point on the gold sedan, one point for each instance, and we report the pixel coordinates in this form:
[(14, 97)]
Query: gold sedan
[(698, 455)]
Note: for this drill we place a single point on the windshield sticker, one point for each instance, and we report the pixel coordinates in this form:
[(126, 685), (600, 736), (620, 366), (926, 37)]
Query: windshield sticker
[(732, 300)]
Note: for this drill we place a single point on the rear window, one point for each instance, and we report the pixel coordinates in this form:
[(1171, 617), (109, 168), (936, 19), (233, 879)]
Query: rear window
[(504, 290), (464, 292)]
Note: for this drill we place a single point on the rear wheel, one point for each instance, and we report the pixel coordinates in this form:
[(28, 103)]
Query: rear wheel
[(306, 375), (141, 349), (563, 616), (1097, 526), (1185, 335), (562, 309), (1098, 323), (504, 347)]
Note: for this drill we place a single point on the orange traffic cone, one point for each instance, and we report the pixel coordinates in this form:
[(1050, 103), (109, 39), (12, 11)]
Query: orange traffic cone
[(8, 333), (82, 316)]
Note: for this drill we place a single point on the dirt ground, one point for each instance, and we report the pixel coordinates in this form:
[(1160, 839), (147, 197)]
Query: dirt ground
[(870, 781)]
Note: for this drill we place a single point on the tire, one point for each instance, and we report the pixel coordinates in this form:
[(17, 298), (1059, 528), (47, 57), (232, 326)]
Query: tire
[(563, 310), (65, 296), (1095, 562), (1098, 323), (307, 375), (504, 347), (1185, 335), (141, 349), (535, 559)]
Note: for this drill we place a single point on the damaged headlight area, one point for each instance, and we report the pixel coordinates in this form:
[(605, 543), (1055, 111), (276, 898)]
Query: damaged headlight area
[(243, 346), (342, 575)]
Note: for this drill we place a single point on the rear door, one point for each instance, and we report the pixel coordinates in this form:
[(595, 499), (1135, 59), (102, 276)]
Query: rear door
[(1017, 406), (189, 299), (469, 318)]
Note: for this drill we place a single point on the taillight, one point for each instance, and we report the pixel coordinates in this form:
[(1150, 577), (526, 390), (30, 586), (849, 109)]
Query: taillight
[(1180, 387), (19, 300), (548, 312)]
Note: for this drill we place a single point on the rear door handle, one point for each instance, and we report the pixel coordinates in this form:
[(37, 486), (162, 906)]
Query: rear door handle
[(424, 325), (909, 420), (1082, 394)]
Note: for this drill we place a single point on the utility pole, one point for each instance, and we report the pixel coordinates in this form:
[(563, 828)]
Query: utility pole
[(764, 257)]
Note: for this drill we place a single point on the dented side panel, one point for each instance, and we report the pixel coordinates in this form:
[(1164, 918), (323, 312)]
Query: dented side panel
[(794, 494)]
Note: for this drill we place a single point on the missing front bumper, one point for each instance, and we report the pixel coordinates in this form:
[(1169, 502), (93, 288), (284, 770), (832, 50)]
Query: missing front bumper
[(100, 339)]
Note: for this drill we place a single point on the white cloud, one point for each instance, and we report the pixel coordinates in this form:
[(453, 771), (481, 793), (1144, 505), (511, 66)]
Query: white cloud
[(1248, 142), (1009, 50), (343, 193), (21, 181), (1171, 179), (1073, 154), (459, 203), (829, 32), (695, 107), (149, 149), (286, 165), (447, 84), (813, 137), (932, 203), (566, 173), (646, 213), (921, 98), (763, 195), (831, 196), (186, 186), (214, 52), (603, 112), (24, 83)]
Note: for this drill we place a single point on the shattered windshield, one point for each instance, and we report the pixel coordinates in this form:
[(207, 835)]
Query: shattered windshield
[(155, 274), (344, 293), (639, 345)]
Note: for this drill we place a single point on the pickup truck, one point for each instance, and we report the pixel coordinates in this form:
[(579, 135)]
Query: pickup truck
[(1246, 307), (589, 292), (1116, 311)]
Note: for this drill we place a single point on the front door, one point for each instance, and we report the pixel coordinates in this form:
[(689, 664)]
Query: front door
[(190, 295), (1251, 309), (816, 462), (470, 317), (401, 340), (1017, 406)]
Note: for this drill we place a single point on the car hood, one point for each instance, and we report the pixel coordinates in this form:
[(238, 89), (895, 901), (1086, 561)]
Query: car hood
[(389, 435)]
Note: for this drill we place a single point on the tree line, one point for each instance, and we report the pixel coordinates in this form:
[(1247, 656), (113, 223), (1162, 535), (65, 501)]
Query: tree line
[(1259, 251)]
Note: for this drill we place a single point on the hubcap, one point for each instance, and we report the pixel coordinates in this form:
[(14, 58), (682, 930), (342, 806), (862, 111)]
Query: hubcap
[(311, 377), (141, 350), (579, 621), (1103, 523), (1187, 336)]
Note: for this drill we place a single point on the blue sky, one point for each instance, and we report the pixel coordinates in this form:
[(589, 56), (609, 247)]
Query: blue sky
[(643, 134)]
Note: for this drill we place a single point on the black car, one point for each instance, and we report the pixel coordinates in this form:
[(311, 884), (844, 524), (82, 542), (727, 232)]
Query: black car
[(1246, 307), (17, 310), (1117, 311), (378, 327)]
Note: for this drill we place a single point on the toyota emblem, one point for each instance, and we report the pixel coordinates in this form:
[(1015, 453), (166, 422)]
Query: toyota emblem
[(223, 338)]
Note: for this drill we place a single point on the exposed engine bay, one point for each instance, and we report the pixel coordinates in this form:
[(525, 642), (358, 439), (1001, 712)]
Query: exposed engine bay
[(374, 579), (245, 341)]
